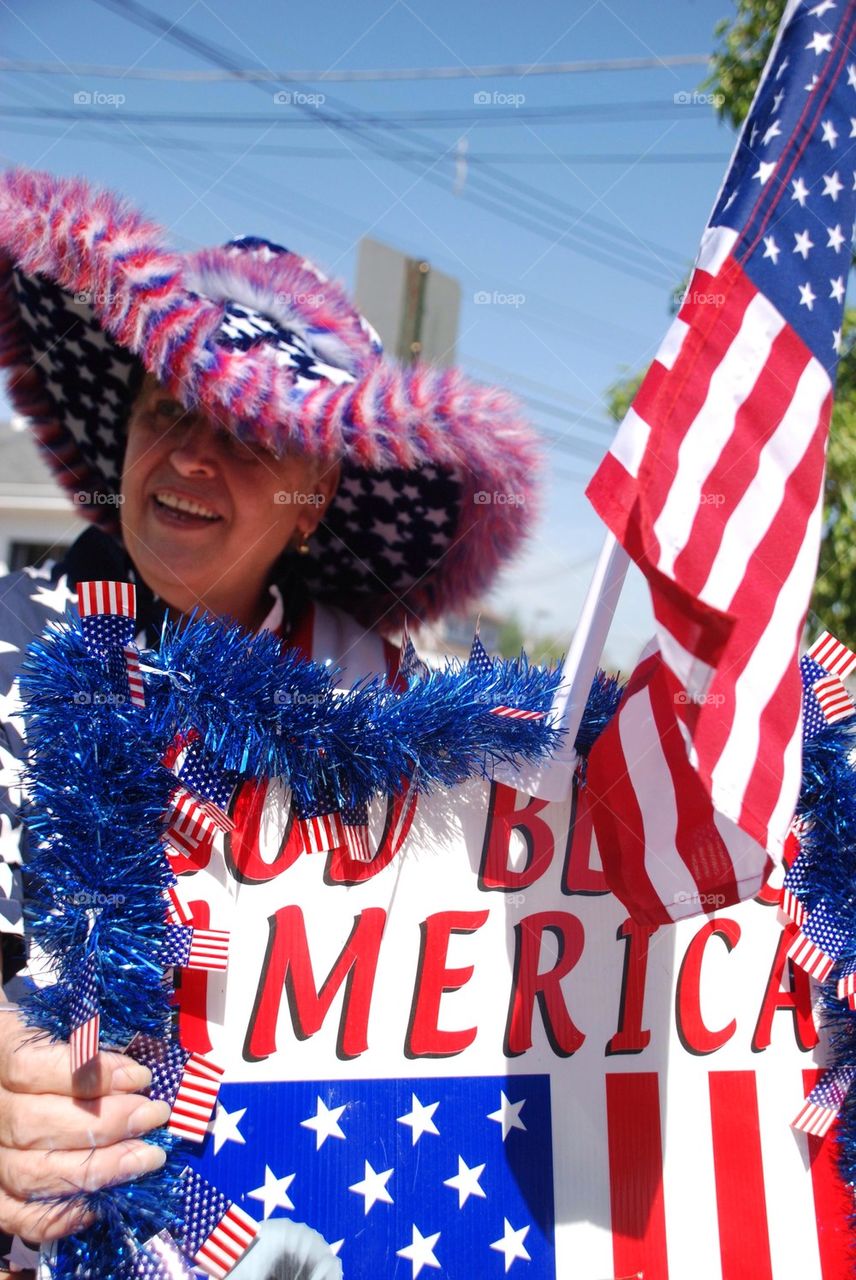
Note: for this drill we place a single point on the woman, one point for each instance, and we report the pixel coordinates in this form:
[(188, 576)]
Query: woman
[(228, 422)]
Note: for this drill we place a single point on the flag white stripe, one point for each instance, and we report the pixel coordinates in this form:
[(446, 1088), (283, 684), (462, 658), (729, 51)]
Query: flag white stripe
[(649, 775), (704, 440), (790, 1218), (631, 442), (692, 1228), (756, 510), (755, 687), (716, 245), (670, 347)]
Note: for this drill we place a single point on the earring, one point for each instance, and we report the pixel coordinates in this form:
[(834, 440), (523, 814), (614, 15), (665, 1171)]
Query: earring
[(302, 547)]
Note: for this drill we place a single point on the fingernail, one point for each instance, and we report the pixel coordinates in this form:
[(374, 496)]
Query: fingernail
[(131, 1077), (141, 1158), (148, 1115)]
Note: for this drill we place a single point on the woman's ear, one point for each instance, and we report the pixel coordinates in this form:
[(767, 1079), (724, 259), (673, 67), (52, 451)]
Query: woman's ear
[(324, 488)]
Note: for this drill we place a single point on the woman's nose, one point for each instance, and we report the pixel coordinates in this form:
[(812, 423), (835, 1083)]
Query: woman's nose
[(193, 449)]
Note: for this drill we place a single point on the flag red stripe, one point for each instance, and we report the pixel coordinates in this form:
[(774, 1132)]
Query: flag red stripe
[(636, 1174), (755, 422), (832, 1202), (739, 1176)]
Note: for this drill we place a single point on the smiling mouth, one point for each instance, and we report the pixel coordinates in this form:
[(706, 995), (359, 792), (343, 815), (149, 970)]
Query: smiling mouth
[(184, 509)]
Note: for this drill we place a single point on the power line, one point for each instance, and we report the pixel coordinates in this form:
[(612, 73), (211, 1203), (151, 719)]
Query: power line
[(523, 70), (351, 122)]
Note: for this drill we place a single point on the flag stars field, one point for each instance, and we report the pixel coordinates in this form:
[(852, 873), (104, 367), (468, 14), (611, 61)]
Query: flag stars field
[(224, 1127)]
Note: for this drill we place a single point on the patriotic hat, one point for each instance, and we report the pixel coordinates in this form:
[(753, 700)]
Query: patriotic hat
[(438, 472)]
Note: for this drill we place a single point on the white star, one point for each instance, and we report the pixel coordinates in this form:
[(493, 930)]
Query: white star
[(274, 1193), (820, 43), (836, 237), (820, 9), (777, 101), (753, 135), (837, 288), (420, 1118), (10, 776), (11, 708), (10, 841), (55, 599), (5, 647), (807, 296), (508, 1115), (812, 82), (803, 244), (336, 1246), (772, 250), (466, 1182), (765, 168), (325, 1122), (829, 133), (781, 69), (420, 1251), (373, 1187), (511, 1244), (224, 1126), (832, 184), (836, 340), (851, 75), (800, 191), (773, 132)]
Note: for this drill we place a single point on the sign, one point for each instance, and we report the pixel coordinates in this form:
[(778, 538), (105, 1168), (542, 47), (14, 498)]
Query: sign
[(463, 1058)]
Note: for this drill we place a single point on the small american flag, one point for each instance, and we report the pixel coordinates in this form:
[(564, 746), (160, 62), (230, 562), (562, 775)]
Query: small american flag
[(198, 772), (216, 1233), (107, 612), (833, 699), (480, 663), (714, 485), (846, 986), (824, 1102), (158, 1259), (188, 947), (188, 826), (355, 828), (319, 823), (411, 666), (795, 880), (833, 656), (84, 1017), (188, 1081), (818, 943), (176, 911)]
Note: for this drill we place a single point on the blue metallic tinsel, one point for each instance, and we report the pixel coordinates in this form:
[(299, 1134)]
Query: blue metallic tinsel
[(97, 793)]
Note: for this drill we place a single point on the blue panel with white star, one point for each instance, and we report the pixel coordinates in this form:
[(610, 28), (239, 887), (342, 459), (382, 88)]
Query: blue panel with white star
[(451, 1177)]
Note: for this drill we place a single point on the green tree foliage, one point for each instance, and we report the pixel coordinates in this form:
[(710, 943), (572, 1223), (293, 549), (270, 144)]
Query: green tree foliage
[(744, 42)]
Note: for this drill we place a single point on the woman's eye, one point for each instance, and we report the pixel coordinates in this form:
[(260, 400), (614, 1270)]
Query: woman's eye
[(169, 408)]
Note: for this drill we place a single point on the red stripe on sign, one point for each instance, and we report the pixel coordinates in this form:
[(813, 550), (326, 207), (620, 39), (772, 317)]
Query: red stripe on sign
[(741, 1205), (832, 1203), (636, 1174)]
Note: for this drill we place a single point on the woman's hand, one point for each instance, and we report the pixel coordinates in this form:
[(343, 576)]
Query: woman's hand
[(60, 1135)]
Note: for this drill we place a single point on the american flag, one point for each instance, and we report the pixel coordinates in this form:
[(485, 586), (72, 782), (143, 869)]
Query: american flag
[(188, 947), (319, 822), (84, 1016), (355, 830), (846, 985), (824, 1102), (481, 664), (402, 1176), (187, 825), (107, 612), (411, 666), (818, 943), (833, 699), (714, 486), (795, 880), (189, 1082), (216, 1232), (158, 1259), (203, 776), (832, 654)]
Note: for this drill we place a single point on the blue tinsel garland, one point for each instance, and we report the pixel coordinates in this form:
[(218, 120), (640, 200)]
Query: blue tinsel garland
[(97, 791)]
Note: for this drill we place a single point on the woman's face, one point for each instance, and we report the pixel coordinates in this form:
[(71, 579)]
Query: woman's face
[(205, 516)]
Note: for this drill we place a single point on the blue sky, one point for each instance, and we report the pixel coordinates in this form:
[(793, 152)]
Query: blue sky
[(582, 319)]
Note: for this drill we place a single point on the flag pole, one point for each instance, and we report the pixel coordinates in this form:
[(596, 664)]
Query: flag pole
[(553, 779)]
